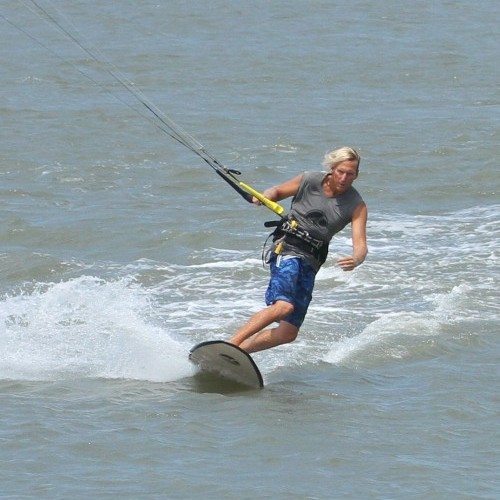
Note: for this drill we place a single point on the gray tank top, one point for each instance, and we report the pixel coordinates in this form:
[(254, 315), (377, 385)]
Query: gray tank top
[(318, 214)]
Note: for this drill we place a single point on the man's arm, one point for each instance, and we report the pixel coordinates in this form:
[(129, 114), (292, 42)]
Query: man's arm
[(285, 190), (359, 245)]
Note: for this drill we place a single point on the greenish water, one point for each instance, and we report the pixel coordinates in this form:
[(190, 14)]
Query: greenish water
[(120, 249)]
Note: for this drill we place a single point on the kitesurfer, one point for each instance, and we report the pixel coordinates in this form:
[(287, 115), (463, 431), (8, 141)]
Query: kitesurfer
[(322, 205)]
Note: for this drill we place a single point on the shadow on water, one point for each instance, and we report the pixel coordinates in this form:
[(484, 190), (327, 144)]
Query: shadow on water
[(209, 383)]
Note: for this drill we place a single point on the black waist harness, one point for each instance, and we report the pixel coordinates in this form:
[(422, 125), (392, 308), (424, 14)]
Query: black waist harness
[(289, 232)]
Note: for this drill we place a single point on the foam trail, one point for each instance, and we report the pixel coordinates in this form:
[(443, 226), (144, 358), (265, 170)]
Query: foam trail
[(396, 334), (378, 338)]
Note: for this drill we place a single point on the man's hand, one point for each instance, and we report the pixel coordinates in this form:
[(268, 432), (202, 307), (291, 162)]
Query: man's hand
[(347, 263)]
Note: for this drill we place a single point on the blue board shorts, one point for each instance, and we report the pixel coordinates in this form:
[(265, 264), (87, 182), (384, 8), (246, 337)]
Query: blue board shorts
[(292, 280)]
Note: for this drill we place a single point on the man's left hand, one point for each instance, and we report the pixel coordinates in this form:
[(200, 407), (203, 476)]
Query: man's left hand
[(347, 263)]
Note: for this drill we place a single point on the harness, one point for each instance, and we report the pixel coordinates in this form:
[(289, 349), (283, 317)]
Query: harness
[(289, 232)]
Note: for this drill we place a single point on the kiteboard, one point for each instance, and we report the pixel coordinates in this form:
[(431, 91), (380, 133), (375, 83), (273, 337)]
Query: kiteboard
[(227, 361)]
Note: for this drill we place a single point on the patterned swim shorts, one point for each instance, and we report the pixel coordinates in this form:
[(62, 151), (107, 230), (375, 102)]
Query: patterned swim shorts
[(292, 280)]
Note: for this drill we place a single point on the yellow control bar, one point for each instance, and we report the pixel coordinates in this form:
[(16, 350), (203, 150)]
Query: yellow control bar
[(272, 205)]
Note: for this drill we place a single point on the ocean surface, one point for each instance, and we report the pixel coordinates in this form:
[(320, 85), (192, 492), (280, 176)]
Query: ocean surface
[(120, 249)]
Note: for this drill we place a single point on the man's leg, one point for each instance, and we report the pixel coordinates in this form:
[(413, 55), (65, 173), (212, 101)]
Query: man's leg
[(283, 334), (275, 312)]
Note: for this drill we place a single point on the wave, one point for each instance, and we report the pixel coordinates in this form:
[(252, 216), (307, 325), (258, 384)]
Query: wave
[(403, 334)]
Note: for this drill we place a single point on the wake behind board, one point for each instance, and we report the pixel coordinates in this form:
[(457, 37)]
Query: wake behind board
[(227, 361)]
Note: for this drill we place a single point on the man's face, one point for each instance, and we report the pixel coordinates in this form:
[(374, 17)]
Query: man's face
[(344, 174)]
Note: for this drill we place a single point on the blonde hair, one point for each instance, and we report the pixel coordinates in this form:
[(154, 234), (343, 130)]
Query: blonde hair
[(336, 156)]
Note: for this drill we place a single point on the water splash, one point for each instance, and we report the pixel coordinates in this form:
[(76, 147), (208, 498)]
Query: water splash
[(86, 327)]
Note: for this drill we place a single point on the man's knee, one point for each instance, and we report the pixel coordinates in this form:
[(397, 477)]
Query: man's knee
[(286, 332), (289, 335), (283, 308)]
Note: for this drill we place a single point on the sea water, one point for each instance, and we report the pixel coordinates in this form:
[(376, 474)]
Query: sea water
[(120, 249)]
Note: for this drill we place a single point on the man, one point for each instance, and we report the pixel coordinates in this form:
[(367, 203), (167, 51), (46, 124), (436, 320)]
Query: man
[(322, 205)]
